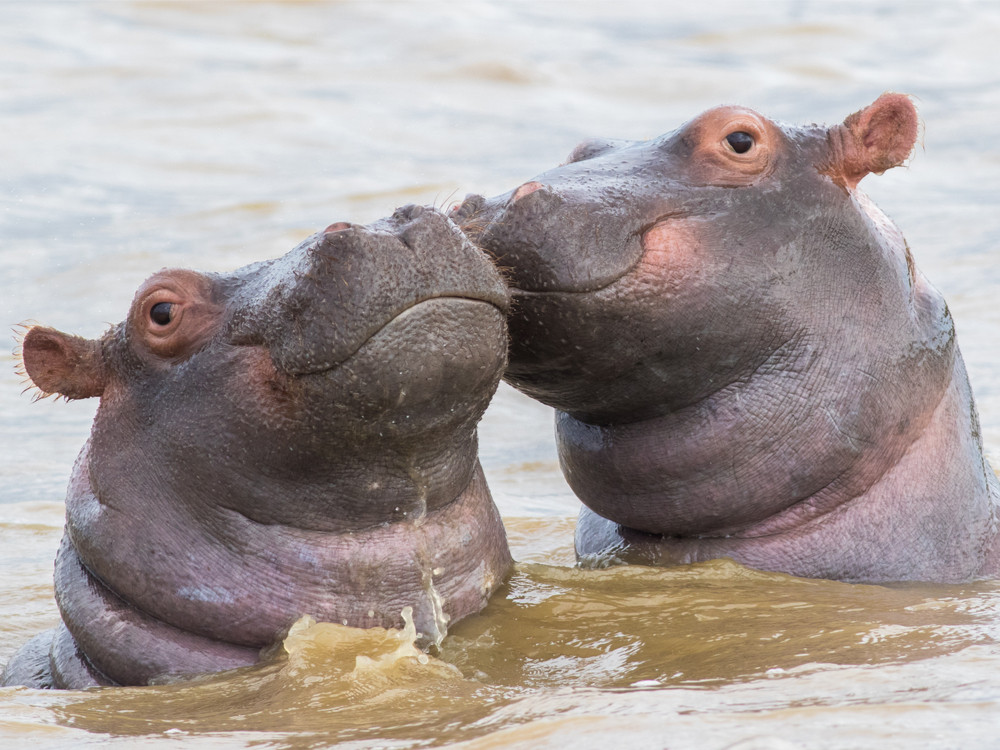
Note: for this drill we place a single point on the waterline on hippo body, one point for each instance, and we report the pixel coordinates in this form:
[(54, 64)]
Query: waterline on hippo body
[(130, 647), (896, 530), (268, 446), (743, 357)]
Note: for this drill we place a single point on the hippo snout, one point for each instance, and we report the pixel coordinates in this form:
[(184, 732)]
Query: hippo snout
[(545, 239)]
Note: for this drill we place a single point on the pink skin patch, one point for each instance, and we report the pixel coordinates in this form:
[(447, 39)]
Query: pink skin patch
[(338, 227), (670, 245), (526, 189)]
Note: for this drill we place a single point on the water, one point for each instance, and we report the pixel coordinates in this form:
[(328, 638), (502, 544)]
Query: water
[(135, 136)]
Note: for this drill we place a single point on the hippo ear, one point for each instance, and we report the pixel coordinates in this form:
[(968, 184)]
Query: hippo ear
[(877, 138), (59, 363)]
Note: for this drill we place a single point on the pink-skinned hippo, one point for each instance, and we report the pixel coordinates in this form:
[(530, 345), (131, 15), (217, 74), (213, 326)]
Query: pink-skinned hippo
[(744, 359), (297, 437)]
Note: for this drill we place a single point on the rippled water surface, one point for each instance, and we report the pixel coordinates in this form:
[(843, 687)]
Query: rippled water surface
[(135, 136)]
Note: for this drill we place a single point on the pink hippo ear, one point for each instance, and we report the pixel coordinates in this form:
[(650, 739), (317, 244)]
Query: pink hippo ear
[(59, 363), (877, 138)]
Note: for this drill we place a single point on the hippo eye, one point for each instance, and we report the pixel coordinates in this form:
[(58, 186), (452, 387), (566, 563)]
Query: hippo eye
[(740, 142), (160, 313)]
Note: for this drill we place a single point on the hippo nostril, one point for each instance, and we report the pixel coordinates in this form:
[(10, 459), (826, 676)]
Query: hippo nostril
[(526, 189), (340, 226)]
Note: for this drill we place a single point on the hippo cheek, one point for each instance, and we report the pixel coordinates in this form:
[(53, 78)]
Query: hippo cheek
[(671, 253), (640, 343), (270, 395)]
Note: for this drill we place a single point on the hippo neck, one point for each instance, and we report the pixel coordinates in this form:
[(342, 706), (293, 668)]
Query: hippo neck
[(351, 487), (911, 524), (239, 587), (808, 434)]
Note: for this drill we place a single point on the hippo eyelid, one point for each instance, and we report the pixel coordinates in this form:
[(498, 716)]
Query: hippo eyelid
[(174, 314)]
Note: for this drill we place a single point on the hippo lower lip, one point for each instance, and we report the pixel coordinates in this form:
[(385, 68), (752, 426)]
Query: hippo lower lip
[(499, 305), (606, 281)]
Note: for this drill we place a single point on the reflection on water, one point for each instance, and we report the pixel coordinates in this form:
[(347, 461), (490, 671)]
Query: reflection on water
[(137, 135)]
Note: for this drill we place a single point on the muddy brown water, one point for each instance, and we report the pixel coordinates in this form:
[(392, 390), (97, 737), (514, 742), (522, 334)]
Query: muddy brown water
[(135, 136)]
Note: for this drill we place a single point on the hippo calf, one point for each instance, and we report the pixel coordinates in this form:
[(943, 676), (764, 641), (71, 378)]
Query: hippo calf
[(296, 437), (744, 359)]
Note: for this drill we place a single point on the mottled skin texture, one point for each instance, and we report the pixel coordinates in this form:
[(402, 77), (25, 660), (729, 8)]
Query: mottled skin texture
[(297, 437), (744, 360)]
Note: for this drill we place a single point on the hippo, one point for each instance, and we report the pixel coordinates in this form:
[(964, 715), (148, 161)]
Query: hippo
[(297, 437), (744, 360)]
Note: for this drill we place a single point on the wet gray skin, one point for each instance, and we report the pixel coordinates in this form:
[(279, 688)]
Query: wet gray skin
[(295, 438), (745, 361)]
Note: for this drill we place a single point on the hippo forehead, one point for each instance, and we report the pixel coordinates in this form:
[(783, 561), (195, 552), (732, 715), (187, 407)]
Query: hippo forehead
[(316, 306), (579, 227)]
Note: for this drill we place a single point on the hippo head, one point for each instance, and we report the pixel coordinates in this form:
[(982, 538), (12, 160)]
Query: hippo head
[(296, 437), (647, 275), (334, 388), (744, 360)]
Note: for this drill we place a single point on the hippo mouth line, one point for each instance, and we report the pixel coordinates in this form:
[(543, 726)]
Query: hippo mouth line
[(517, 290), (637, 235), (498, 303)]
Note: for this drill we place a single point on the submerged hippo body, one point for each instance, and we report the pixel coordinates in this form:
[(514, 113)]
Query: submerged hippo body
[(744, 360), (297, 437)]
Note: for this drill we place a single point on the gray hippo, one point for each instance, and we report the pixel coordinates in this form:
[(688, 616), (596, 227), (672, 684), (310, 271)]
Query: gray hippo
[(296, 437), (744, 359)]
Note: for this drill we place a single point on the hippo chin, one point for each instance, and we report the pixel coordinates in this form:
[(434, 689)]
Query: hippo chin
[(744, 360), (296, 437)]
